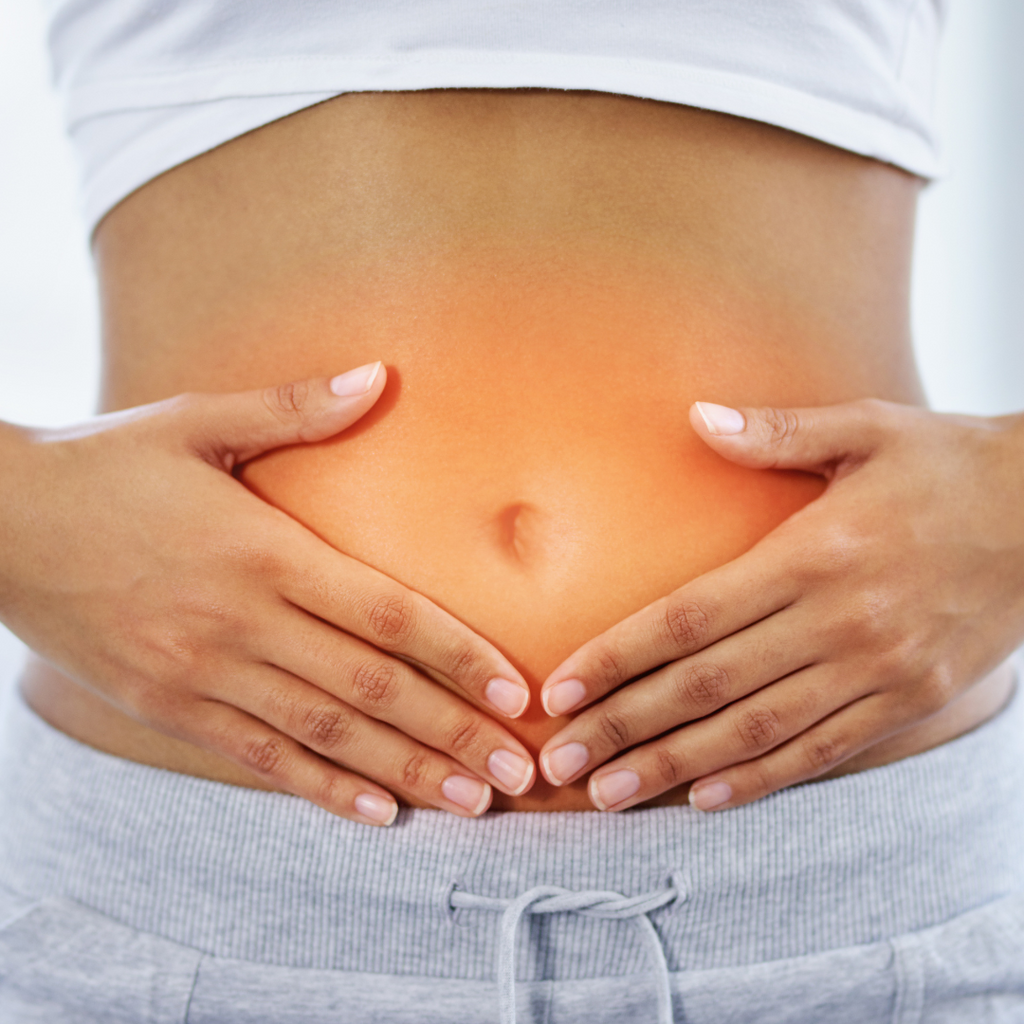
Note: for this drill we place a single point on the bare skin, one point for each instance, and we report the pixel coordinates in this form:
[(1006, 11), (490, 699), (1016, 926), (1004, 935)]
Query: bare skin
[(551, 281)]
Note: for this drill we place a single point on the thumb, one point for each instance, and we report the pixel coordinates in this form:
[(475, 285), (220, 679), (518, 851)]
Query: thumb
[(233, 428), (817, 440)]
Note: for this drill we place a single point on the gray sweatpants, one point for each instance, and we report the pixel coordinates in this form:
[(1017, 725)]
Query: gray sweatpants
[(129, 894)]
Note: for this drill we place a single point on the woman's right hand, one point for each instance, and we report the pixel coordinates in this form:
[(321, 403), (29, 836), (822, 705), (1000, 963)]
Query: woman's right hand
[(134, 561)]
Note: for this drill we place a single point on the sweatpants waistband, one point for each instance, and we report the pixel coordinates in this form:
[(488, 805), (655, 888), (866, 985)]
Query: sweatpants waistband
[(272, 879)]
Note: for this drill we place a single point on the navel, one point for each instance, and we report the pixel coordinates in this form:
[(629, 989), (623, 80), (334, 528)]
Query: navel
[(517, 531)]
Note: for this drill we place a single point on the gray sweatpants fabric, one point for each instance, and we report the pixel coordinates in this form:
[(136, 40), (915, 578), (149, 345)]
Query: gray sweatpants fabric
[(129, 894)]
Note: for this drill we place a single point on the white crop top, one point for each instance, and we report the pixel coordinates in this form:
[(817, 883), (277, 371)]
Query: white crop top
[(151, 83)]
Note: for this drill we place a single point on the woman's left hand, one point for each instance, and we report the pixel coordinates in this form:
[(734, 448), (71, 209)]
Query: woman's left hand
[(867, 611)]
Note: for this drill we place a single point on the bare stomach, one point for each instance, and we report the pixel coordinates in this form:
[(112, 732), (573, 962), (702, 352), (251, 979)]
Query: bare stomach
[(548, 302)]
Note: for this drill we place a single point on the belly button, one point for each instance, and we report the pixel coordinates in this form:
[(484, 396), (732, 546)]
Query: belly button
[(513, 528)]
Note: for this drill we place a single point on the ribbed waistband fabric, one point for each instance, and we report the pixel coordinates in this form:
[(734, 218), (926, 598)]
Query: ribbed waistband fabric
[(270, 878)]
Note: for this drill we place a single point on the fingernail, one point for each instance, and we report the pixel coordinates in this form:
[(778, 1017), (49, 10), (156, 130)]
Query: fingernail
[(472, 794), (376, 808), (720, 419), (613, 788), (710, 796), (509, 698), (355, 382), (510, 770), (563, 763), (564, 696)]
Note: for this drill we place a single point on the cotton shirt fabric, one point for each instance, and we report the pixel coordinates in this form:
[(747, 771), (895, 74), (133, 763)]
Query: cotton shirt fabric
[(148, 84)]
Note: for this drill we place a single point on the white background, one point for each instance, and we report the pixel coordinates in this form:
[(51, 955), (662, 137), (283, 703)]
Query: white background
[(968, 303)]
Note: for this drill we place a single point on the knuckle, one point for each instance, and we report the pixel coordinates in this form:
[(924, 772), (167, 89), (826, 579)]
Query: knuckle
[(877, 411), (327, 727), (688, 624), (188, 404), (329, 791), (463, 663), (780, 425), (758, 728), (178, 650), (414, 770), (703, 686), (259, 560), (759, 781), (897, 667), (265, 755), (287, 401), (616, 728), (864, 622), (671, 767), (935, 689), (842, 547), (872, 620), (195, 639), (609, 668), (837, 550), (822, 753), (374, 684), (389, 619), (463, 737)]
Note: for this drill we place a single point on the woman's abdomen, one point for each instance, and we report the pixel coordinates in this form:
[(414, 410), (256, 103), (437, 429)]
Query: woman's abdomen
[(551, 279), (531, 466)]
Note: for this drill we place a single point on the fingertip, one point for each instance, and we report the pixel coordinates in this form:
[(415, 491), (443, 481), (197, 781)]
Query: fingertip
[(717, 420), (358, 382), (515, 772), (614, 790), (376, 810), (509, 698), (471, 796), (710, 796), (696, 420), (563, 697), (545, 768), (562, 762)]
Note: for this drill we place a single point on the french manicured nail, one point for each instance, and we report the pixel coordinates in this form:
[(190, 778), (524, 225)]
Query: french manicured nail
[(376, 808), (472, 794), (564, 696), (710, 796), (356, 382), (613, 788), (562, 763), (510, 770), (509, 698), (720, 419)]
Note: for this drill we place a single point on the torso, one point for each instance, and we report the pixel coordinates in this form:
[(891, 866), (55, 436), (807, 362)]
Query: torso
[(551, 279)]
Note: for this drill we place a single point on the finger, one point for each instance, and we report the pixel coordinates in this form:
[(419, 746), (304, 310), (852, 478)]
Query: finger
[(390, 691), (364, 602), (233, 428), (331, 728), (682, 691), (288, 766), (739, 734), (814, 752), (690, 619), (816, 439)]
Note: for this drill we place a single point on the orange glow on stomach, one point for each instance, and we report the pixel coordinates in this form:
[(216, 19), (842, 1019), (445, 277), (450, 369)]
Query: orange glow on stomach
[(531, 466)]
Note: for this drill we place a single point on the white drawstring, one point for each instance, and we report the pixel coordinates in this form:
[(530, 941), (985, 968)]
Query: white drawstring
[(552, 899)]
